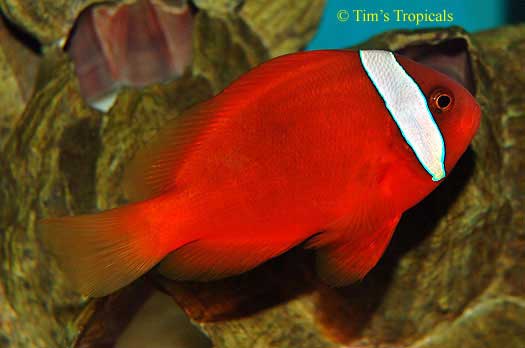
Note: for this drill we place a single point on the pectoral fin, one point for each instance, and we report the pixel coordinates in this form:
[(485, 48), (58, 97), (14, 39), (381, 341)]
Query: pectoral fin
[(352, 256)]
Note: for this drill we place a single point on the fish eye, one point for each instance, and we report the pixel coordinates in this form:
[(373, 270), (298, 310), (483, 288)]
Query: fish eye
[(441, 100)]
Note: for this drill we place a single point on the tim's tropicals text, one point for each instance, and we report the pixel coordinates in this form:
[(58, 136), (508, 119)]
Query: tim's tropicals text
[(398, 15)]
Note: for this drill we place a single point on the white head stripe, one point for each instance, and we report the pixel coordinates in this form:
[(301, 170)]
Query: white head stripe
[(408, 107)]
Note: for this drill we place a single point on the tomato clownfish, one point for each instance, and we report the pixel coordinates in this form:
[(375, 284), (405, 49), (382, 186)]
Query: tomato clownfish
[(324, 147)]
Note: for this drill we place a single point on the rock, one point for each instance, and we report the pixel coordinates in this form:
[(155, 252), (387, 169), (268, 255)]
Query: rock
[(282, 26), (219, 6), (18, 68), (283, 31), (49, 21)]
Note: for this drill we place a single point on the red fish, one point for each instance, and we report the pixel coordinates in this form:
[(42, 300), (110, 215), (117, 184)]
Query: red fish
[(328, 147)]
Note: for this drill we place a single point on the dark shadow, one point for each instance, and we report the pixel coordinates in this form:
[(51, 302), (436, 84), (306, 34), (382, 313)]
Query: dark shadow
[(277, 281), (21, 36), (515, 11)]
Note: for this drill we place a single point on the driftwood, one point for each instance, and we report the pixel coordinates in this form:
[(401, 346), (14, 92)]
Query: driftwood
[(454, 274)]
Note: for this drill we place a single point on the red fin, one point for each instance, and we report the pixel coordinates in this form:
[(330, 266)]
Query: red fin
[(103, 252), (348, 260), (152, 172), (213, 259)]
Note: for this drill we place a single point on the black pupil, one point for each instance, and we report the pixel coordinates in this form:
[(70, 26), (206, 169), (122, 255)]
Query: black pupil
[(443, 101)]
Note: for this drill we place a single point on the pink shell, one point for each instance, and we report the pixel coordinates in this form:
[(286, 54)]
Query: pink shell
[(133, 44)]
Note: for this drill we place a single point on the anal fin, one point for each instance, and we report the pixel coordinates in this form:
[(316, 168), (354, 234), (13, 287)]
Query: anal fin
[(204, 260), (354, 254)]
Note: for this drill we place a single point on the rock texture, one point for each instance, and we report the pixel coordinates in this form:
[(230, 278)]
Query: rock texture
[(48, 20), (18, 68), (454, 274)]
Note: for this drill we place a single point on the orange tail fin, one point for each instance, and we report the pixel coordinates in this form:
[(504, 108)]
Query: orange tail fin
[(101, 253)]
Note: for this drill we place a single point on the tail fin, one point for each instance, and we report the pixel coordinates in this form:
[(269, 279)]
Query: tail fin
[(101, 253)]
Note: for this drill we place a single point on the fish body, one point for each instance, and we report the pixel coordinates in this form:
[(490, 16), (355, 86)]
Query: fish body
[(323, 147)]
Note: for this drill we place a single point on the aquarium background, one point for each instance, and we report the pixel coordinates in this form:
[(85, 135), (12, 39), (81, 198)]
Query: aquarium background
[(473, 15)]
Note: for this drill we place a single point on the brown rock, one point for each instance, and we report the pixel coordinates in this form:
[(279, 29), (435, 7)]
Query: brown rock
[(47, 20), (18, 68)]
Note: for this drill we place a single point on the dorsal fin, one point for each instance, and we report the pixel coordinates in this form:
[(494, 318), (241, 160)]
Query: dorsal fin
[(153, 169)]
